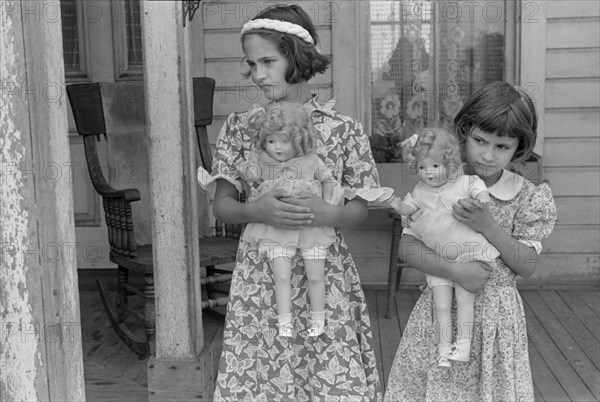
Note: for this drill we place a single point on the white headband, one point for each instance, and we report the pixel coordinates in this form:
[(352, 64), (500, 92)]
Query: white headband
[(279, 26)]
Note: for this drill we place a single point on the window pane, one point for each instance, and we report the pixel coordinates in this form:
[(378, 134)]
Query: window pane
[(427, 58), (70, 31), (134, 33)]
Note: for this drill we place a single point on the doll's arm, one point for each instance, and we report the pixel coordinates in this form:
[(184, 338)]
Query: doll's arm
[(483, 197), (402, 208), (478, 190), (328, 187), (328, 181), (409, 206)]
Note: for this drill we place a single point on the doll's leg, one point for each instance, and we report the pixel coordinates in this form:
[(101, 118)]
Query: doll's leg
[(315, 273), (442, 301), (281, 265), (314, 264), (464, 322)]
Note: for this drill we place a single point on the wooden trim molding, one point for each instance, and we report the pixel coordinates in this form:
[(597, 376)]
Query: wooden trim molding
[(350, 68), (532, 59)]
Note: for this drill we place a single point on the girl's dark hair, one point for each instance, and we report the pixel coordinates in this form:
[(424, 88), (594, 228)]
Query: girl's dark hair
[(304, 60), (502, 109)]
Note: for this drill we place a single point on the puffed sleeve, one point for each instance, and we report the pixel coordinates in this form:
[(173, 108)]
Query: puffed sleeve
[(476, 186), (229, 154), (535, 218), (360, 176)]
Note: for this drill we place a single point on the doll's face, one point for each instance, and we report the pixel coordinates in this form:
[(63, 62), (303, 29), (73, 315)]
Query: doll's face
[(432, 172), (279, 147)]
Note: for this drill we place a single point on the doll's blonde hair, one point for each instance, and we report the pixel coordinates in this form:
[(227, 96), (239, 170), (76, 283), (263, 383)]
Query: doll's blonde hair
[(291, 120), (435, 143)]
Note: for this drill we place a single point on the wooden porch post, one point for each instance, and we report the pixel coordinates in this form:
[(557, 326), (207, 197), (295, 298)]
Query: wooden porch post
[(182, 367), (40, 332)]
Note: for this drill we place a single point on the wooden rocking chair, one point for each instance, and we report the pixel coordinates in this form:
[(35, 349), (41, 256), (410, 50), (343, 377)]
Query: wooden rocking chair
[(86, 103)]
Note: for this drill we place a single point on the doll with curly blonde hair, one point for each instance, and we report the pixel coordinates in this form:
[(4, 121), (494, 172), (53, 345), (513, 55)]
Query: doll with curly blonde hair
[(435, 156), (284, 137)]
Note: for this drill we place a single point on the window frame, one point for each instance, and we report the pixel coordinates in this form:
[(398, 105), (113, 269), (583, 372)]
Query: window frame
[(124, 71), (514, 54), (83, 35)]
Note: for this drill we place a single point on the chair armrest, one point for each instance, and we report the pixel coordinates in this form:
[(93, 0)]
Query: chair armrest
[(128, 194)]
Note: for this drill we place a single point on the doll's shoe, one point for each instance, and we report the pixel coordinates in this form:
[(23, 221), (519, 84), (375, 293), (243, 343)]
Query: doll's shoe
[(286, 330), (444, 357), (444, 362), (461, 351), (316, 329)]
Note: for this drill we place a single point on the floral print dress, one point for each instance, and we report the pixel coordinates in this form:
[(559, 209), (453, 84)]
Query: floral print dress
[(498, 369), (256, 364)]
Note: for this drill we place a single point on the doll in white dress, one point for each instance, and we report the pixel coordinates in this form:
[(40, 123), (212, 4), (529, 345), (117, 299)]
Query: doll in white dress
[(283, 134), (435, 154)]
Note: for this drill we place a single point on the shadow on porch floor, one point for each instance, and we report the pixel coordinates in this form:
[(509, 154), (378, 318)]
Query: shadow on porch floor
[(563, 346)]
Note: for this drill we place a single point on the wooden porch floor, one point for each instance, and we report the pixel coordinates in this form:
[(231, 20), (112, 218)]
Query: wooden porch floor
[(564, 345)]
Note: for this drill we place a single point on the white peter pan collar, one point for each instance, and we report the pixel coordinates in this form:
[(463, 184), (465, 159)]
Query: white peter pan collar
[(508, 186)]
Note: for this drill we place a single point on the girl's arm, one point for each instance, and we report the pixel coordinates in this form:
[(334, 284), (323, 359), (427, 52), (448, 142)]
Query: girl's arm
[(519, 257), (267, 209), (470, 275), (352, 213)]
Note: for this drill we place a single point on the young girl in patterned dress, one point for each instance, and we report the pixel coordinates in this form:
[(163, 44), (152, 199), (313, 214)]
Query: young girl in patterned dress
[(280, 50), (496, 126)]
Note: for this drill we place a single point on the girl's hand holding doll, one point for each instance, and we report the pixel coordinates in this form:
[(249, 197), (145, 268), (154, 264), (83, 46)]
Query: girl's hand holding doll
[(278, 209), (475, 214), (269, 208)]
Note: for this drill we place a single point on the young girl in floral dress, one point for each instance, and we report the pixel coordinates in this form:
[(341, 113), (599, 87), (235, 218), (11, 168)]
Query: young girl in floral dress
[(496, 126), (281, 53)]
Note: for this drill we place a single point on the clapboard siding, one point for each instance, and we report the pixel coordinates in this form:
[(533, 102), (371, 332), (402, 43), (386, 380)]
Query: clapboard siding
[(233, 14), (572, 63), (573, 33), (573, 239), (569, 268), (581, 181), (560, 151), (572, 140), (578, 210), (572, 8), (572, 123), (571, 93)]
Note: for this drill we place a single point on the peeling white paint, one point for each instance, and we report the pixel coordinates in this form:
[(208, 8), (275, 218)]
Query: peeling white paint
[(19, 356)]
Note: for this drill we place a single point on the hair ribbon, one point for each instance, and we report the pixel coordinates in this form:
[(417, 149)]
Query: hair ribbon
[(279, 26)]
